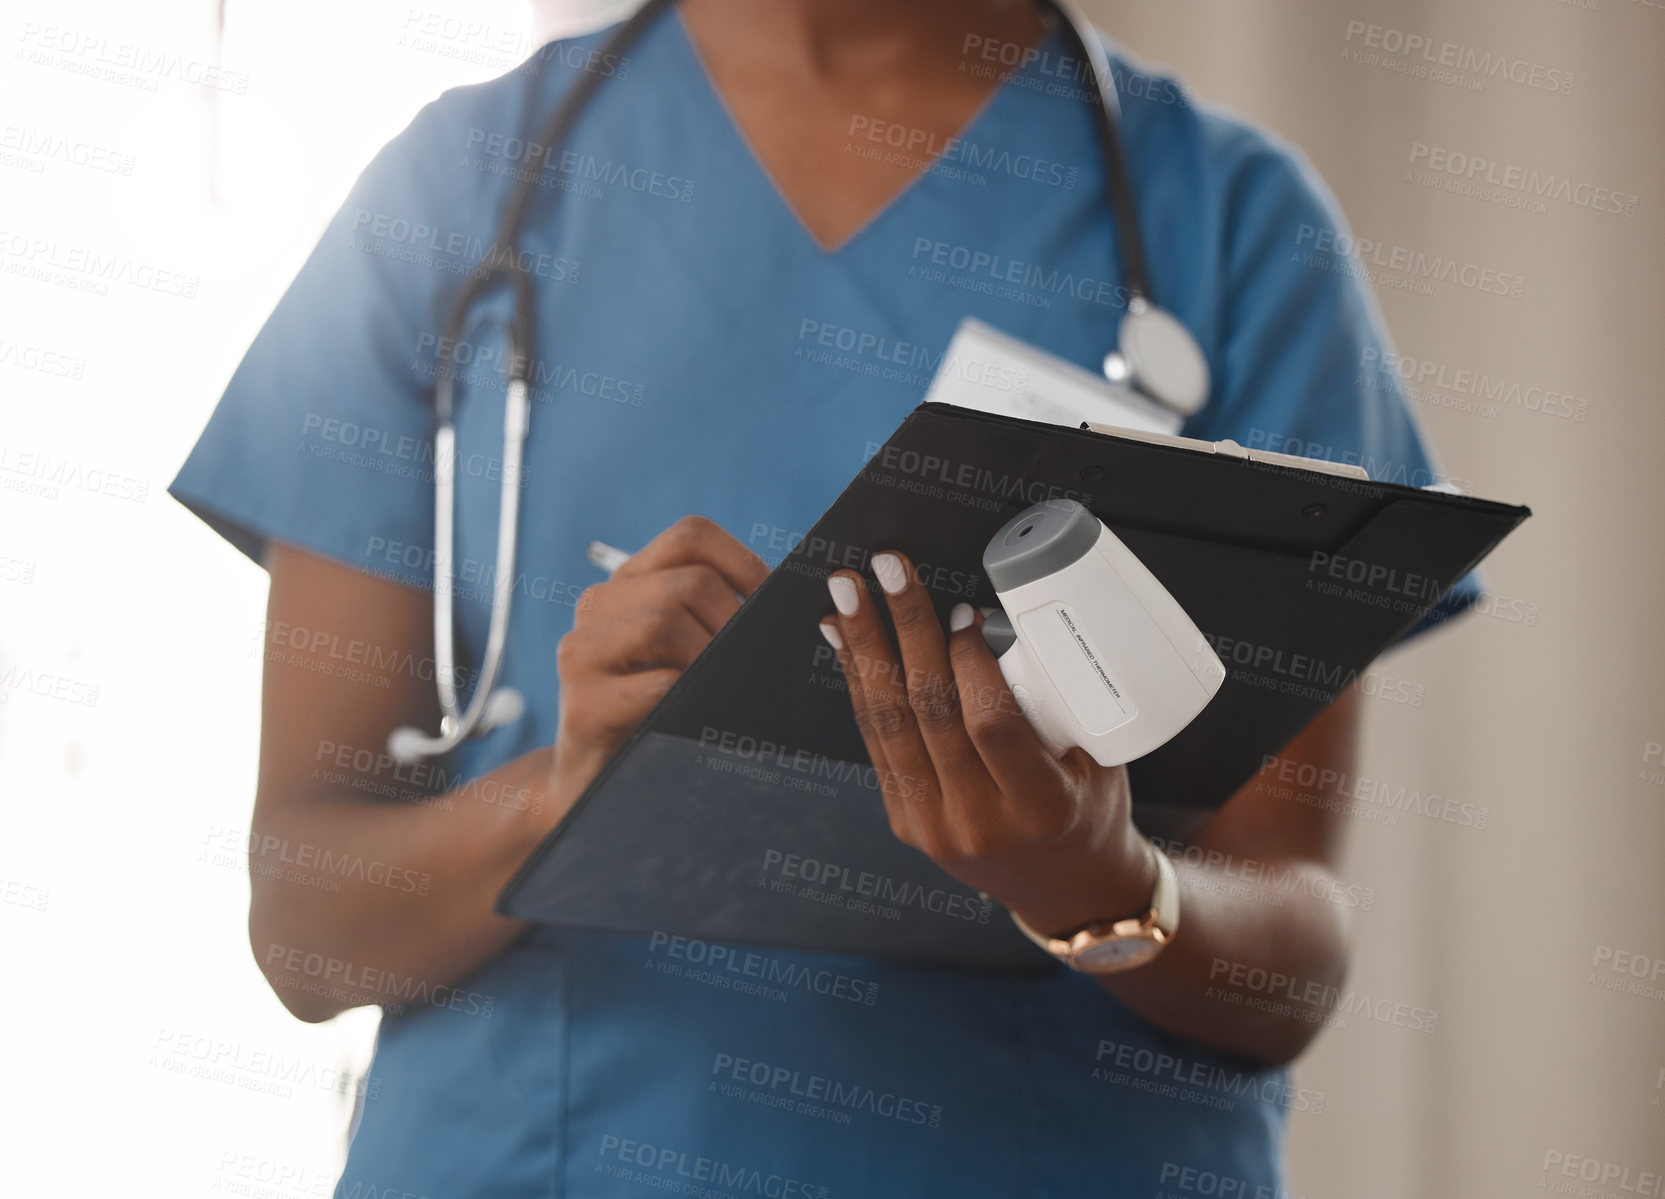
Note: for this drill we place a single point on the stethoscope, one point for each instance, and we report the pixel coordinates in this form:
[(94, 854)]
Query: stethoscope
[(1155, 355)]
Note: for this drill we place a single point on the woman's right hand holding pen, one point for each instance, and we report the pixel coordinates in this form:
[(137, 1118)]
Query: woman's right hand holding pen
[(634, 634)]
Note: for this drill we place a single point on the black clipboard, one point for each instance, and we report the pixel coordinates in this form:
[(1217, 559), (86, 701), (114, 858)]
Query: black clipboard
[(744, 807)]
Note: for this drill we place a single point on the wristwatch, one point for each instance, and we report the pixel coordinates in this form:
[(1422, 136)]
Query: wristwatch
[(1109, 946)]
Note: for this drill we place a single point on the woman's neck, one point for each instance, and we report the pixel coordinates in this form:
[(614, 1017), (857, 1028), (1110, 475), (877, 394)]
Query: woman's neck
[(808, 80), (856, 38)]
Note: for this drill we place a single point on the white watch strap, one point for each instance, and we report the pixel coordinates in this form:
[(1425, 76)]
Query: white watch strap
[(1165, 897)]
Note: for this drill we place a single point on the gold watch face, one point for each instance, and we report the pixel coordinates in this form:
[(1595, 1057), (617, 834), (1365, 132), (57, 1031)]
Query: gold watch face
[(1119, 954)]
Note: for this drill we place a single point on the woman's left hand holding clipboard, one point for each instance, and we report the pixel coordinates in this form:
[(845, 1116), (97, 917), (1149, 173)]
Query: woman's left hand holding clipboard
[(965, 778), (967, 781)]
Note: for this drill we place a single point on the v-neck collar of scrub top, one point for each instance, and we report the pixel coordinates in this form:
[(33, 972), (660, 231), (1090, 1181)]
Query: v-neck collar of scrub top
[(722, 118)]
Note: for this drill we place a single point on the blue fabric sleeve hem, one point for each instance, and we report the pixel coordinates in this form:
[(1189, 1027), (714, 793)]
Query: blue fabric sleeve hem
[(251, 532)]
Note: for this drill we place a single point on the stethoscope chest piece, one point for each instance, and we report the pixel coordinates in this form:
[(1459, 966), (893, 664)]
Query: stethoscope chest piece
[(1158, 356)]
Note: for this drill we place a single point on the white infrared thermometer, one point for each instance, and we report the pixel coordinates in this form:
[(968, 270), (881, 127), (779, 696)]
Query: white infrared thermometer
[(1095, 650)]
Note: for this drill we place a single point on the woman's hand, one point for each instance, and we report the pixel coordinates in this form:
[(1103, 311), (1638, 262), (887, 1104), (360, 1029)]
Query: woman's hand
[(966, 780), (634, 634)]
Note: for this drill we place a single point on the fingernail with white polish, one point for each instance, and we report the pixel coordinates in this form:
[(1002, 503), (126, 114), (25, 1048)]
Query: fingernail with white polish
[(843, 591), (893, 576), (959, 617), (830, 632)]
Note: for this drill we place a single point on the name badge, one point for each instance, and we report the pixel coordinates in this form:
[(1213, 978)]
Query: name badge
[(989, 371)]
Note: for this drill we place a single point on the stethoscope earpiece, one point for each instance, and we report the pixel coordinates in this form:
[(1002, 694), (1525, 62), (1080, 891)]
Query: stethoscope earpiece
[(408, 743), (503, 706)]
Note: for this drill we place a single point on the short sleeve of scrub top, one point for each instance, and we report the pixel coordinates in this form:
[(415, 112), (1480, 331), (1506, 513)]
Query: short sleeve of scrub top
[(697, 352), (324, 437)]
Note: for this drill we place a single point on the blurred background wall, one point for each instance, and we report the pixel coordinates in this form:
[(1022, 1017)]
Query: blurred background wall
[(150, 215), (1546, 710)]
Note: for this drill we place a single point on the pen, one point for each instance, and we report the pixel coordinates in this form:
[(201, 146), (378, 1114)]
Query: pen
[(608, 557)]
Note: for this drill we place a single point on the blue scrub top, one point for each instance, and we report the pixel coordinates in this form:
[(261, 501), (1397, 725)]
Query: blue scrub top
[(697, 352)]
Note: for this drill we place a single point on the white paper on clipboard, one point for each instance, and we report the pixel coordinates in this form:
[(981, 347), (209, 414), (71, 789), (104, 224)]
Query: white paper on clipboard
[(990, 371)]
